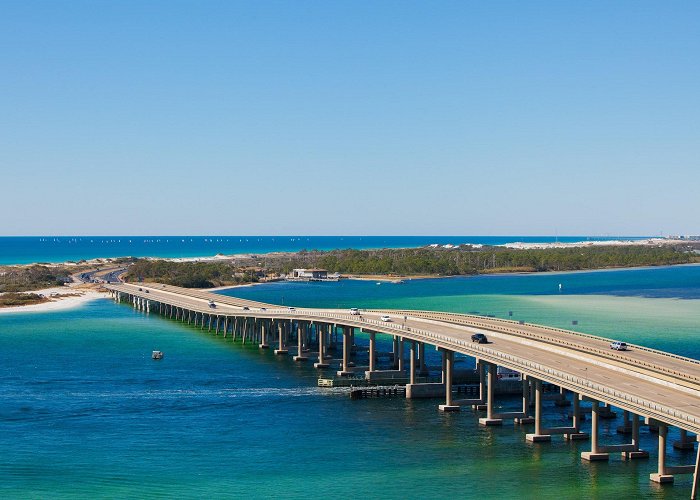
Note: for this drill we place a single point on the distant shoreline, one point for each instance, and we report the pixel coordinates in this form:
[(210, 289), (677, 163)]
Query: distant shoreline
[(98, 261)]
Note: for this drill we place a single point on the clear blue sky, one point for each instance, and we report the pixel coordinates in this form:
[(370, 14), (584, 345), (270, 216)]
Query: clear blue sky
[(349, 117)]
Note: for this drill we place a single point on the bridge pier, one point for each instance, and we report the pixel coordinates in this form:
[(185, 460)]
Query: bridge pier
[(421, 357), (545, 435), (448, 362), (372, 351), (263, 335), (526, 418), (347, 340), (595, 454), (491, 417), (685, 442), (280, 342), (321, 351), (300, 342), (412, 363)]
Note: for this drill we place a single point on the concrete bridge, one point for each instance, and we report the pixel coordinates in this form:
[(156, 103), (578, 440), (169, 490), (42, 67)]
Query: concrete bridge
[(652, 387)]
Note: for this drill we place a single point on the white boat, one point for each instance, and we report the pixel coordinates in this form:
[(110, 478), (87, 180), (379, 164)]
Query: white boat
[(157, 355)]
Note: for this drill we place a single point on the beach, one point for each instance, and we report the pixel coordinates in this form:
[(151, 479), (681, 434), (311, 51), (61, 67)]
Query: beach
[(59, 298)]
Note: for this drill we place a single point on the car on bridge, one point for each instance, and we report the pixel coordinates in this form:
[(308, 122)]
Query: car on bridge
[(480, 338), (618, 346), (211, 304), (354, 311), (385, 318)]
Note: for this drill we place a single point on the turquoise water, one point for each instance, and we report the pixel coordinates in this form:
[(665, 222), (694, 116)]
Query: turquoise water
[(29, 249), (85, 412)]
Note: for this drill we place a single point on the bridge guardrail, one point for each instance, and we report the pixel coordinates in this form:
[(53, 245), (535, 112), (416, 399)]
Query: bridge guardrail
[(604, 353)]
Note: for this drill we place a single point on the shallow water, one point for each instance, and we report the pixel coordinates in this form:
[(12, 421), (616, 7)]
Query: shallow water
[(84, 411)]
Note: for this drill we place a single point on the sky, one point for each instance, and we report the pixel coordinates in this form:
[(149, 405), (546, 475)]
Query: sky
[(349, 117)]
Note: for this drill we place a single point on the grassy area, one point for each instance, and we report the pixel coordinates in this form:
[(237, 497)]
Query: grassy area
[(20, 299), (35, 277)]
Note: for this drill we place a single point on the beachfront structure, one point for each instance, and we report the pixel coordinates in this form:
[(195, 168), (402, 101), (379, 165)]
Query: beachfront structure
[(653, 388), (309, 274)]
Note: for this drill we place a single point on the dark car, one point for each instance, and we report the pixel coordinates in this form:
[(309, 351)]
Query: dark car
[(246, 308), (479, 338)]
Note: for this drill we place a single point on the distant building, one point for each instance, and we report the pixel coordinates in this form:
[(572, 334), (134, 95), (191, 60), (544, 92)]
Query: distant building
[(309, 274)]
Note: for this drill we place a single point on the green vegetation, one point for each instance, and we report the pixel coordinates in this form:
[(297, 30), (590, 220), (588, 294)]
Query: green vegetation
[(22, 278), (190, 274), (464, 260), (469, 260), (20, 299)]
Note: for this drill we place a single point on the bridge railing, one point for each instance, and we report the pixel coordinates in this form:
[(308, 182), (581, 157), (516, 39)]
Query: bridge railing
[(558, 341), (446, 316)]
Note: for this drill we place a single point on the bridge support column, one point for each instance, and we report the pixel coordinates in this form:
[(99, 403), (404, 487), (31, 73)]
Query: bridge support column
[(538, 436), (280, 342), (401, 366), (372, 351), (263, 335), (347, 340), (395, 352), (662, 475), (525, 419), (421, 356), (491, 418), (595, 453), (481, 368), (634, 452), (300, 343), (684, 443), (412, 364), (320, 333), (696, 475), (448, 362), (626, 427)]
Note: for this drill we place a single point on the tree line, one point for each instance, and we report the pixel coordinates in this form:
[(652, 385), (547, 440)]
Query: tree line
[(465, 260)]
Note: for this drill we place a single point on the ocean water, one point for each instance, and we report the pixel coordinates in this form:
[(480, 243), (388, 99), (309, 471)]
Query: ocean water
[(85, 412), (30, 249)]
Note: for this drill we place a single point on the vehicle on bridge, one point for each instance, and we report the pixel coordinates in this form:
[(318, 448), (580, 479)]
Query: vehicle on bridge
[(385, 318), (212, 304), (618, 346), (354, 311), (480, 338)]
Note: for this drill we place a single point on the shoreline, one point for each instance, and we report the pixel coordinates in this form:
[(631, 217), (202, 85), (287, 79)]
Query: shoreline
[(101, 261), (396, 279), (66, 298)]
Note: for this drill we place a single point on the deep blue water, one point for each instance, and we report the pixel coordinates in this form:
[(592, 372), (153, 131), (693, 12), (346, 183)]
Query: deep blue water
[(29, 249)]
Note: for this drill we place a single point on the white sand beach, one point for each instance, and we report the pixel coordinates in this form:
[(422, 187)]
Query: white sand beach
[(592, 243), (59, 299)]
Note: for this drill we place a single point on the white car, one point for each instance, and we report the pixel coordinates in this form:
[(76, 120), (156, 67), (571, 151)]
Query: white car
[(354, 311), (385, 318), (618, 346)]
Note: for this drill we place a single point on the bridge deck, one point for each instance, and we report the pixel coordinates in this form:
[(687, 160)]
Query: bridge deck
[(647, 382)]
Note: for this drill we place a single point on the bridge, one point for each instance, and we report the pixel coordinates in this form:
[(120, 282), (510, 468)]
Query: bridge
[(652, 387)]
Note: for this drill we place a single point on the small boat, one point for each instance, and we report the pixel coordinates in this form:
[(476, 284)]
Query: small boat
[(157, 355)]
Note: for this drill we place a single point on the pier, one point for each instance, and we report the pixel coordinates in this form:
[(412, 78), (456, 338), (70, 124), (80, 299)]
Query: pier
[(653, 388)]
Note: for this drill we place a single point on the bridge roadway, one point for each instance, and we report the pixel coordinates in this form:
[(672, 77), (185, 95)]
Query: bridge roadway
[(663, 387)]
